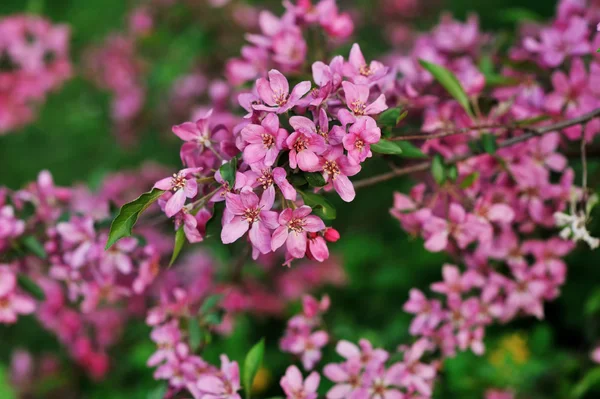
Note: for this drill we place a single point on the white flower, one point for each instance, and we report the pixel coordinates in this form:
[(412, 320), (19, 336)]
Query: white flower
[(574, 223)]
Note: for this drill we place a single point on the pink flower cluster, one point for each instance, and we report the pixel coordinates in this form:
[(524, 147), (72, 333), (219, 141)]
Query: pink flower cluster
[(281, 44), (116, 67), (12, 301), (34, 60), (493, 214), (271, 155), (364, 373), (89, 293), (183, 295), (300, 337)]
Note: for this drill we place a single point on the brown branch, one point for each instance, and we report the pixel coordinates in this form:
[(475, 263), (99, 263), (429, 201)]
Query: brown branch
[(530, 133), (440, 133)]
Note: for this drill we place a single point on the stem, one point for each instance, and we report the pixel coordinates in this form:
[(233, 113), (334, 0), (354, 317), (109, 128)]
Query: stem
[(531, 133), (200, 202), (215, 152), (584, 176), (205, 180)]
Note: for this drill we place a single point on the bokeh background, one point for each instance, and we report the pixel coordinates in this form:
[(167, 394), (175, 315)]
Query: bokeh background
[(75, 139)]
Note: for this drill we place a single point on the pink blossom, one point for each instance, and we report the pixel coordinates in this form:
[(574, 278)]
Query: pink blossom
[(359, 71), (412, 373), (79, 235), (454, 284), (224, 385), (118, 256), (556, 44), (294, 225), (357, 97), (361, 135), (295, 388), (348, 380), (246, 212), (10, 226), (194, 226), (275, 92), (572, 94), (317, 248), (183, 185), (304, 146), (264, 141), (456, 37), (336, 168), (366, 355), (166, 337), (12, 303), (309, 348), (428, 313)]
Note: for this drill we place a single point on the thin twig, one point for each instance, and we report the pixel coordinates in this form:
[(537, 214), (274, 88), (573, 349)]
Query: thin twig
[(584, 173), (530, 133)]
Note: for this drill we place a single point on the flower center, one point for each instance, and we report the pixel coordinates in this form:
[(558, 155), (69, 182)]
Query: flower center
[(331, 168), (358, 107), (268, 140), (266, 179), (315, 92), (178, 182), (204, 140), (4, 303), (359, 144), (251, 214), (300, 144), (226, 189), (323, 134), (280, 98), (296, 224), (365, 70), (379, 388)]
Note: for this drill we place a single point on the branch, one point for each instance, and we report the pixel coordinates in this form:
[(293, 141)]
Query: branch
[(440, 133), (531, 133)]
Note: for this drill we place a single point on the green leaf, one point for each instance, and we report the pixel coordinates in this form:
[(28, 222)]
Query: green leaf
[(35, 247), (384, 146), (321, 207), (210, 302), (297, 180), (450, 82), (489, 144), (214, 319), (159, 392), (591, 379), (6, 390), (128, 215), (252, 363), (532, 121), (315, 179), (452, 173), (438, 170), (409, 150), (391, 117), (30, 286), (228, 170), (469, 180), (179, 242), (592, 304), (195, 333)]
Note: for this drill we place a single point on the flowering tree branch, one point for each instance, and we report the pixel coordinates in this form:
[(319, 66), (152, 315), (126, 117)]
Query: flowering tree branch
[(530, 133)]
